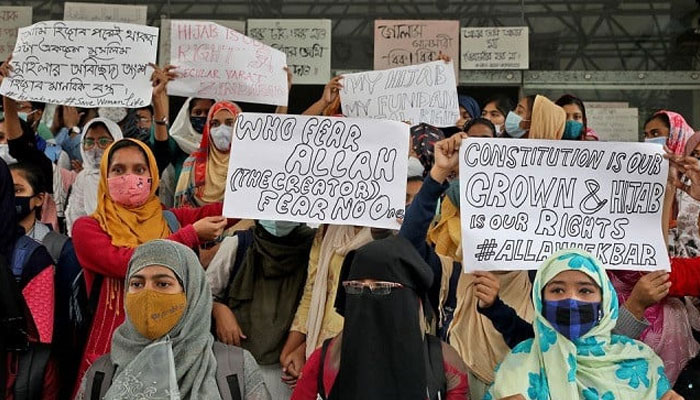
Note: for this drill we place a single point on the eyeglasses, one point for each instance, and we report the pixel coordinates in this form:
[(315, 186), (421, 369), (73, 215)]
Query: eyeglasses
[(144, 120), (374, 288), (102, 143)]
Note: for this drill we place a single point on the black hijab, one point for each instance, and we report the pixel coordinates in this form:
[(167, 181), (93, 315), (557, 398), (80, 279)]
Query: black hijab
[(382, 352)]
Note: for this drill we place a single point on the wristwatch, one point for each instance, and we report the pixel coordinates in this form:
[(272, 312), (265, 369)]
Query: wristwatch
[(163, 121), (74, 130)]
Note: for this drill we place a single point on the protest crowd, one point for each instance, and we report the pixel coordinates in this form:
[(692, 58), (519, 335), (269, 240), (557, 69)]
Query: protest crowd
[(149, 258)]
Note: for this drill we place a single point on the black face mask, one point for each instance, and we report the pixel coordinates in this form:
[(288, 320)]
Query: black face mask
[(22, 207), (198, 123)]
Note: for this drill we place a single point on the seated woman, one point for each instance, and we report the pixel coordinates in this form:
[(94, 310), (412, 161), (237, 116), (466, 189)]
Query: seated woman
[(574, 350), (383, 351), (164, 349), (129, 214)]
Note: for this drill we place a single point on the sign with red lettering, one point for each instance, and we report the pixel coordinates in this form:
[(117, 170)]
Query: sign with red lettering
[(216, 62), (523, 200)]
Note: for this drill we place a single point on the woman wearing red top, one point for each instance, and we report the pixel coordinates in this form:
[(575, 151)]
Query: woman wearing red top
[(129, 214), (383, 351)]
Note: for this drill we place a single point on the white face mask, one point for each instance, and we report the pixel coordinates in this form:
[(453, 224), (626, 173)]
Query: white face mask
[(499, 129), (5, 154), (221, 137), (94, 156)]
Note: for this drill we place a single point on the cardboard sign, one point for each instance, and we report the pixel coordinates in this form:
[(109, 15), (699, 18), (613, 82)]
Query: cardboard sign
[(398, 43), (414, 94), (522, 200), (614, 124), (165, 36), (317, 170), (306, 42), (495, 48), (83, 64), (216, 62), (11, 19), (129, 14)]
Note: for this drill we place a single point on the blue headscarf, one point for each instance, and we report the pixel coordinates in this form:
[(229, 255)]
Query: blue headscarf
[(470, 105)]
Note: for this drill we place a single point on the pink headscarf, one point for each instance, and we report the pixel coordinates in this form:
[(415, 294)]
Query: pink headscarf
[(680, 132), (669, 333)]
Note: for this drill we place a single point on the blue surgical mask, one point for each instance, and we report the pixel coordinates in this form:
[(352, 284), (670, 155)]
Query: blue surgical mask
[(572, 130), (513, 128), (198, 123), (278, 228), (572, 318), (660, 140)]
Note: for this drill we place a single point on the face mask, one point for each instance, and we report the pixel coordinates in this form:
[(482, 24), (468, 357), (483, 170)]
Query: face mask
[(198, 123), (572, 318), (660, 140), (278, 228), (221, 136), (94, 156), (499, 129), (154, 314), (572, 130), (513, 128), (142, 134), (22, 206), (5, 154), (129, 190)]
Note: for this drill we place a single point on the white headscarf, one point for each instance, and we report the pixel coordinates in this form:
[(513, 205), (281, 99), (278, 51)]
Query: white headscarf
[(89, 178), (182, 131)]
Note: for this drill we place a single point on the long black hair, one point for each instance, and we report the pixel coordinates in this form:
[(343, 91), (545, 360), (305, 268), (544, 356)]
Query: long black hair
[(569, 99)]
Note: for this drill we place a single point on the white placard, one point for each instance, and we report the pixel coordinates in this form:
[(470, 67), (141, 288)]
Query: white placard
[(606, 104), (523, 200), (216, 62), (317, 170), (164, 50), (398, 43), (83, 64), (614, 124), (495, 48), (130, 14), (306, 42), (12, 18), (418, 93)]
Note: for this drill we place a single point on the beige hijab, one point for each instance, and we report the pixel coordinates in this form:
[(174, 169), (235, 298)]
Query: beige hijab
[(548, 120), (338, 239), (479, 344)]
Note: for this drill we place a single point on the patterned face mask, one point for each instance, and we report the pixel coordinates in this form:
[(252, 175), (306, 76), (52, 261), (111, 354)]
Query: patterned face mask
[(572, 318)]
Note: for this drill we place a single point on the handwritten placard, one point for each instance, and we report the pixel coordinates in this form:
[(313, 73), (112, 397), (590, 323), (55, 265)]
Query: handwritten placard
[(216, 62), (523, 200), (306, 42), (414, 94), (83, 64), (495, 48), (165, 35), (398, 43), (130, 14), (317, 170), (614, 124), (11, 19)]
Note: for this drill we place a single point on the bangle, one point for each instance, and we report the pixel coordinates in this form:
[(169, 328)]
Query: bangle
[(163, 121)]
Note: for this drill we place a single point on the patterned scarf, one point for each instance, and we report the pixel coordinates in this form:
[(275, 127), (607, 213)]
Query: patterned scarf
[(599, 365)]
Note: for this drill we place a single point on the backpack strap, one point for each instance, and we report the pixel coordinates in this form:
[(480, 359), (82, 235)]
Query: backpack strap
[(437, 382), (230, 373), (54, 242), (171, 219), (245, 240), (320, 387), (24, 247), (29, 383), (99, 377)]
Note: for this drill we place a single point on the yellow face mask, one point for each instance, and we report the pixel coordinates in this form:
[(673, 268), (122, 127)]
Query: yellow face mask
[(154, 314)]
